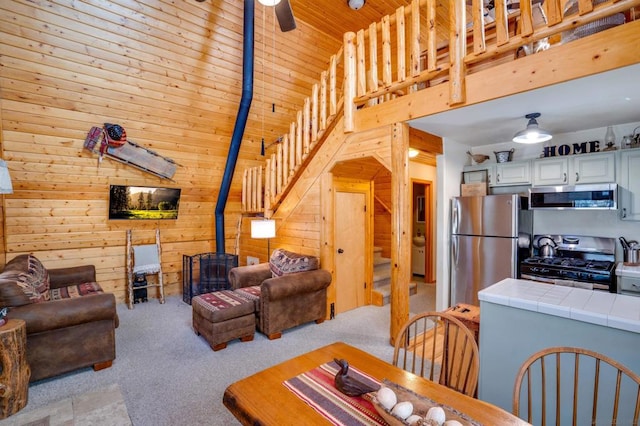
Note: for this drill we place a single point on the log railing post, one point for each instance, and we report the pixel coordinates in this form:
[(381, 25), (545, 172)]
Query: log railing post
[(279, 168), (306, 126), (273, 179), (401, 45), (415, 38), (432, 40), (457, 52), (260, 197), (314, 114), (373, 57), (477, 15), (245, 190), (333, 101), (323, 101), (387, 78), (349, 81)]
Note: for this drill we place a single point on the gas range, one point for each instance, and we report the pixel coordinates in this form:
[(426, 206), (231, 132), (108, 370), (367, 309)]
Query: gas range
[(579, 261)]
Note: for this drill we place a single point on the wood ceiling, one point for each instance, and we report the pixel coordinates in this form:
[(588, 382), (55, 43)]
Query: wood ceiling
[(335, 17)]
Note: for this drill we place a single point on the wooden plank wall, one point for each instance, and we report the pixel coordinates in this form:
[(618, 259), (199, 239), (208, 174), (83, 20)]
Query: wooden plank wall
[(171, 74)]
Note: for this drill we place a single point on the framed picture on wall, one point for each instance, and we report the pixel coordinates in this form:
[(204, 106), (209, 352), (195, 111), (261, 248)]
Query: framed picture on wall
[(143, 202)]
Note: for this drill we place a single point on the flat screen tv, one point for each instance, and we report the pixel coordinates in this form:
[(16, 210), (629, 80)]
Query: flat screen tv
[(143, 202)]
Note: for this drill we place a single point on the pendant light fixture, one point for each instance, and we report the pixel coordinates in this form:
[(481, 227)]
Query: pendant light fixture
[(268, 2), (533, 133)]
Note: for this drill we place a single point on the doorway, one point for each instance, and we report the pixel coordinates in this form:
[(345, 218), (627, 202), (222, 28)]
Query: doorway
[(352, 238), (422, 231)]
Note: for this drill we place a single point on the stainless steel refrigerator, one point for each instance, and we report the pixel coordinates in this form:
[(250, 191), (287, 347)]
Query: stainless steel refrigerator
[(489, 237)]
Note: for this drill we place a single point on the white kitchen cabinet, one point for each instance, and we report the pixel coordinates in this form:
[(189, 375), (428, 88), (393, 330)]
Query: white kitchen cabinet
[(575, 169), (513, 173), (629, 188), (417, 261), (475, 174), (550, 171), (501, 174)]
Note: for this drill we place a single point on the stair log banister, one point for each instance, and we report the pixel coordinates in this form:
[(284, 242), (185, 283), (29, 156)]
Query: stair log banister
[(370, 73)]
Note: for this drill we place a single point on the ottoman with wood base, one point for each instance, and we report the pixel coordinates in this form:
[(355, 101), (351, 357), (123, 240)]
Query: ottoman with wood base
[(222, 316)]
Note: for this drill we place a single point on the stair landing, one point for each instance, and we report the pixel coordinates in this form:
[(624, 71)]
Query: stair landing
[(381, 293)]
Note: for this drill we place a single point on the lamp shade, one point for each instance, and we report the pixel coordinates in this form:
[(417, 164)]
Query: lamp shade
[(268, 2), (263, 228), (533, 133), (5, 179)]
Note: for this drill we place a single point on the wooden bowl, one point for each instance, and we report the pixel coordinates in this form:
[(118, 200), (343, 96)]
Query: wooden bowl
[(421, 405)]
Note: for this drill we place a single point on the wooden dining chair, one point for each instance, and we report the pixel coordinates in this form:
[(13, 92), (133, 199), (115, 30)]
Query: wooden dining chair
[(564, 385), (439, 347)]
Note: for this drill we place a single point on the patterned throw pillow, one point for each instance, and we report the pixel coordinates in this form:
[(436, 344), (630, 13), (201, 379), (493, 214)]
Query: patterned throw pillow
[(24, 280), (285, 262), (39, 278), (73, 291)]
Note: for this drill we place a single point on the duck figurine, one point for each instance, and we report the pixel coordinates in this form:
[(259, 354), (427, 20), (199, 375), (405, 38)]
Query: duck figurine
[(478, 158), (349, 385)]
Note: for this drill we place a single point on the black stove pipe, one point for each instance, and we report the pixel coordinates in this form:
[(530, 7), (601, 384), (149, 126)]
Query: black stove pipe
[(241, 121)]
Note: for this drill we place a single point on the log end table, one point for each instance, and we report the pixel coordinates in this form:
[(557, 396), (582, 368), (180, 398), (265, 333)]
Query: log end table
[(14, 370)]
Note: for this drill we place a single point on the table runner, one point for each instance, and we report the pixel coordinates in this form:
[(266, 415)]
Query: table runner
[(317, 389)]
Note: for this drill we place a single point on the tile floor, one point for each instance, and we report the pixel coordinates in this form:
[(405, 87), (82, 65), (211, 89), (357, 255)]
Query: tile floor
[(105, 407)]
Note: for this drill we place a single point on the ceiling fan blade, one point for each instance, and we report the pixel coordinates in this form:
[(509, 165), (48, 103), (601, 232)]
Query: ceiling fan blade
[(284, 13)]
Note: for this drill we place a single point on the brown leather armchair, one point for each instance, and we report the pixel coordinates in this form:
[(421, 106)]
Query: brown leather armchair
[(286, 301), (76, 331)]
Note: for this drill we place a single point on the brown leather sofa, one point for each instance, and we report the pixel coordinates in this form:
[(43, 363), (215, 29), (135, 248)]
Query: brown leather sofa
[(75, 330), (285, 301)]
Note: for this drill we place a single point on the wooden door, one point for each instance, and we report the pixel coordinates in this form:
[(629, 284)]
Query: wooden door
[(350, 256)]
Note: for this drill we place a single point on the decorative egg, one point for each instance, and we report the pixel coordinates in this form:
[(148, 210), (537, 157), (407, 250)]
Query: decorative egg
[(413, 420), (437, 414), (452, 423), (386, 397), (402, 409)]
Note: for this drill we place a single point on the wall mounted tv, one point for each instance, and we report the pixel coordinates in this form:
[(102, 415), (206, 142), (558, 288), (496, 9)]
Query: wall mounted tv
[(143, 202)]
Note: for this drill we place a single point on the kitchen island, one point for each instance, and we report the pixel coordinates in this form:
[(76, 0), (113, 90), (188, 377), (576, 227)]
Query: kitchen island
[(521, 317)]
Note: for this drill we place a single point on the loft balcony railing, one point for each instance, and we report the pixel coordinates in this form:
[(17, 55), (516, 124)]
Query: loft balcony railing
[(418, 47)]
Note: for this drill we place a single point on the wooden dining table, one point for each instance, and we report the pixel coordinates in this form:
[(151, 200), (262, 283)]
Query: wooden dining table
[(263, 399)]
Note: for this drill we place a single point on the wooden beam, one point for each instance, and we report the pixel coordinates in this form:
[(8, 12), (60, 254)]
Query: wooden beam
[(400, 228), (424, 141)]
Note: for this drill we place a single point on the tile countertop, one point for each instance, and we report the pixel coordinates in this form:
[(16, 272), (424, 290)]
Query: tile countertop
[(593, 306)]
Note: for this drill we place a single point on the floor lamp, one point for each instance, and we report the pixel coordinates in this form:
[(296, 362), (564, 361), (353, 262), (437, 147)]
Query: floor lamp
[(5, 179), (264, 229)]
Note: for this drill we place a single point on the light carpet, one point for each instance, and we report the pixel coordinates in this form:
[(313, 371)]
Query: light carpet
[(169, 376)]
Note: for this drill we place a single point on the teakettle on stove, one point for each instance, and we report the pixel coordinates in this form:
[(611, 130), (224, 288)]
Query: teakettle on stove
[(547, 247)]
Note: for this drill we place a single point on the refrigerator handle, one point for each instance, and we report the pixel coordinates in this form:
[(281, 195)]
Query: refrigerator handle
[(454, 251), (455, 217)]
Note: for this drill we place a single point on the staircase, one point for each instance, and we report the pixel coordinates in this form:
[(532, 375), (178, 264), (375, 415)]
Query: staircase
[(381, 294)]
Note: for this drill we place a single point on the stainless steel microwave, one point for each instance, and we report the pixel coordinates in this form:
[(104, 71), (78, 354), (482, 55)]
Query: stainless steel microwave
[(596, 197)]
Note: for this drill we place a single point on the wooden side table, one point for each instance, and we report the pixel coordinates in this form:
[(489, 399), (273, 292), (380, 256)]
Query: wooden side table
[(14, 370)]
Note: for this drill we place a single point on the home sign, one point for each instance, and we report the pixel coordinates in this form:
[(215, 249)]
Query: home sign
[(570, 149)]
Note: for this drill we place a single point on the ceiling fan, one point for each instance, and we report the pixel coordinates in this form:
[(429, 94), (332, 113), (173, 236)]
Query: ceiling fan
[(284, 13)]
